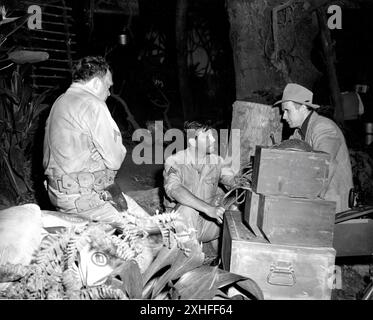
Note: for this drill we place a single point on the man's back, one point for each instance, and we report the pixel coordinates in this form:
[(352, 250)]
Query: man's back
[(79, 123), (324, 135)]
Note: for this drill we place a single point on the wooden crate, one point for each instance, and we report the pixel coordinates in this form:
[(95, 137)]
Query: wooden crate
[(291, 221), (290, 173), (282, 272)]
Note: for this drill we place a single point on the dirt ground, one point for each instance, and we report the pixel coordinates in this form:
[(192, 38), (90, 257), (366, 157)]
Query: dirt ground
[(355, 279), (135, 177)]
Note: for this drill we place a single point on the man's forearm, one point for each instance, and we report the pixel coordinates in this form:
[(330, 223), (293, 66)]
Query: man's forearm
[(185, 197)]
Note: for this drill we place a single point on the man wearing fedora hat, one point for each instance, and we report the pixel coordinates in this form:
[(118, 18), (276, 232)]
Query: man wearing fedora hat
[(323, 135)]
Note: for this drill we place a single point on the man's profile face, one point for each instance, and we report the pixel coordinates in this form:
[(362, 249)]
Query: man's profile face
[(104, 86), (292, 115)]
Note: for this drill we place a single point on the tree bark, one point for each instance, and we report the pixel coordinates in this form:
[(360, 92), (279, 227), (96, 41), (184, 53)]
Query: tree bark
[(265, 61), (262, 73), (257, 123), (249, 27), (182, 59), (255, 79)]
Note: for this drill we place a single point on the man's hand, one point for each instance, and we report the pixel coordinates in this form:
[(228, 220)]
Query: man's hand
[(216, 213), (115, 195)]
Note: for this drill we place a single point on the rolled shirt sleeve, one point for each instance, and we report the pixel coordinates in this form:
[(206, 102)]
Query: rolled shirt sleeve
[(172, 176)]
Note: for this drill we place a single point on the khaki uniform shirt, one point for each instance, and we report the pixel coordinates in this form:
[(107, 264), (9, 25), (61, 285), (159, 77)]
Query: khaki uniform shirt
[(79, 124), (200, 179)]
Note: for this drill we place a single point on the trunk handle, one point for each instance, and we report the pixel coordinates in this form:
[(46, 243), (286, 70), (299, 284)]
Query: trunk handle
[(281, 273)]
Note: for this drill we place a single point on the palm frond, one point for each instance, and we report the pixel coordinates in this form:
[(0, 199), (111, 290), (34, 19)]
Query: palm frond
[(182, 264), (130, 276), (199, 283)]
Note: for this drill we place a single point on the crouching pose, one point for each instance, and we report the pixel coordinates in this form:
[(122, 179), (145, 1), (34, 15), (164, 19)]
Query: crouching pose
[(191, 178)]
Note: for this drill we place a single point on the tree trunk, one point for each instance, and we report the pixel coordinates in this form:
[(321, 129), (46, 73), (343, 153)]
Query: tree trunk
[(248, 26), (254, 78), (266, 56), (182, 59), (257, 123)]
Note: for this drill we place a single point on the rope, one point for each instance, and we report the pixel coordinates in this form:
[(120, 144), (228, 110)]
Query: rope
[(243, 183)]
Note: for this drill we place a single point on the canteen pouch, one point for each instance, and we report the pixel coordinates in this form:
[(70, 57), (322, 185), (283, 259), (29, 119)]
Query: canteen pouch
[(87, 202), (69, 185)]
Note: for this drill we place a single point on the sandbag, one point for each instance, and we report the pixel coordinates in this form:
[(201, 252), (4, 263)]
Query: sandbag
[(21, 233)]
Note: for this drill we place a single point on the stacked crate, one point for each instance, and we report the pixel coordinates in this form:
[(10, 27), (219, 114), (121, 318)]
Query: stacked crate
[(284, 241)]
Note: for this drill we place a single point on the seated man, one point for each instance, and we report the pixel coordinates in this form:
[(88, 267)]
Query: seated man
[(83, 147), (323, 135), (191, 178)]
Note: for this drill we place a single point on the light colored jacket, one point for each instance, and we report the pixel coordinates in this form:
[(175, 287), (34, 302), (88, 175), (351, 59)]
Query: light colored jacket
[(78, 125), (324, 135), (202, 181)]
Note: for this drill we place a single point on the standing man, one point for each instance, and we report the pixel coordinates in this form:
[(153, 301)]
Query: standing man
[(191, 178), (82, 144), (323, 135)]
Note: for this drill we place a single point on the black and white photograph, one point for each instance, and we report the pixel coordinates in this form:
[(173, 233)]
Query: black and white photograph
[(187, 156)]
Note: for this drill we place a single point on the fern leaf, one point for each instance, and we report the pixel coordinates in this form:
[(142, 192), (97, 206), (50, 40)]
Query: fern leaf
[(12, 272), (102, 292)]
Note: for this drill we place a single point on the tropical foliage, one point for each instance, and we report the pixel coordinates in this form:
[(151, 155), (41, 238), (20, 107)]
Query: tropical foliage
[(19, 115), (130, 264), (20, 109)]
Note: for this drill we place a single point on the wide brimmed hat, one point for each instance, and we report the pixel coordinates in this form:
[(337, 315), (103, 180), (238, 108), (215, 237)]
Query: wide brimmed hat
[(296, 93)]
